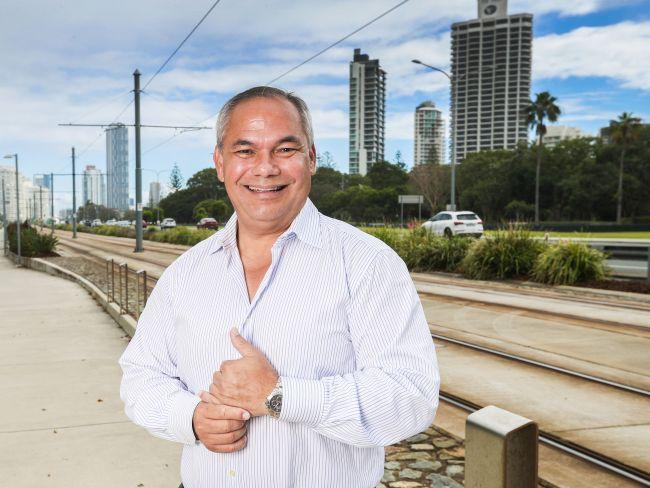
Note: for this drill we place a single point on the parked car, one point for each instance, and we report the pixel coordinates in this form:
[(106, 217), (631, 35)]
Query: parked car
[(207, 223), (86, 222), (123, 223), (168, 223), (111, 222), (455, 223), (96, 223)]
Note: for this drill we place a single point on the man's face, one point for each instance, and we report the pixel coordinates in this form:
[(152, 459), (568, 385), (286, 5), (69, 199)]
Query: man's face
[(265, 163)]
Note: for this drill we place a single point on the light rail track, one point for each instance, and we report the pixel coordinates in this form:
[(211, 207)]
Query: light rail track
[(570, 448), (557, 369)]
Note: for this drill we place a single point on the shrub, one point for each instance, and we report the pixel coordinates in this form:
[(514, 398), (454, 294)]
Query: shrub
[(567, 263), (504, 254), (32, 244)]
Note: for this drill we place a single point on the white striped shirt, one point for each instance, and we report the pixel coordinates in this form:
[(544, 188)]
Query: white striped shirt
[(338, 317)]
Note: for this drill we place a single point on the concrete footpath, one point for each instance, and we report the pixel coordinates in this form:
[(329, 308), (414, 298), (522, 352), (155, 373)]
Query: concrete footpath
[(62, 423)]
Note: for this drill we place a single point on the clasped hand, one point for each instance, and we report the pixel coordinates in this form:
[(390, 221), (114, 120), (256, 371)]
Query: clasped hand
[(238, 391)]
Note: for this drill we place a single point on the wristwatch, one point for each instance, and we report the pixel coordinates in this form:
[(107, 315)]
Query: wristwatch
[(274, 400)]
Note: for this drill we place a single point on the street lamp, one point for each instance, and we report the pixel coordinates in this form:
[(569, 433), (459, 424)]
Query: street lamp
[(453, 131), (158, 173), (15, 156)]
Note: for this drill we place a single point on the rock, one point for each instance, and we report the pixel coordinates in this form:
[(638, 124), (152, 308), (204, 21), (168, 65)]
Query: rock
[(388, 476), (394, 449), (426, 465), (410, 474), (409, 456), (430, 431), (392, 465), (422, 447), (417, 438), (456, 461), (405, 484), (440, 481), (443, 443), (381, 485), (453, 469), (457, 451)]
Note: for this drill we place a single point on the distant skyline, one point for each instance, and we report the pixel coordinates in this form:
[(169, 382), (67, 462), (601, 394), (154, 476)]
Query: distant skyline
[(73, 62)]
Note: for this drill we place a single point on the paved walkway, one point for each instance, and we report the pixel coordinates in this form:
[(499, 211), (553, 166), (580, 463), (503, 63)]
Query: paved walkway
[(62, 423)]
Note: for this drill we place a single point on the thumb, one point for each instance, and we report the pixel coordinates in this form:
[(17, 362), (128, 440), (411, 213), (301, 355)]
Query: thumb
[(242, 345)]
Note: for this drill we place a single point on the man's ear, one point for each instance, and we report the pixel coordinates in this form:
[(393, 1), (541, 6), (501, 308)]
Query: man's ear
[(218, 163), (312, 159)]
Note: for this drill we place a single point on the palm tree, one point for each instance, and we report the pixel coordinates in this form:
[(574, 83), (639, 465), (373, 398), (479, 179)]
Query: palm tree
[(622, 132), (542, 108)]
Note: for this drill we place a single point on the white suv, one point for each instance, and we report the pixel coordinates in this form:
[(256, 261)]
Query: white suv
[(455, 223), (168, 224)]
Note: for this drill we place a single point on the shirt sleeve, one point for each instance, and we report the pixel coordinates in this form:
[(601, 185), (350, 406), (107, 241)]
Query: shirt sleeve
[(393, 394), (154, 396)]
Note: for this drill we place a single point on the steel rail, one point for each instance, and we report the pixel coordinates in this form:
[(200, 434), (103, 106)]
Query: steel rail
[(584, 453), (557, 369)]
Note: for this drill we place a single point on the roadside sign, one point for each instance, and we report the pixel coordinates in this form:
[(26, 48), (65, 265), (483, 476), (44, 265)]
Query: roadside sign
[(406, 199)]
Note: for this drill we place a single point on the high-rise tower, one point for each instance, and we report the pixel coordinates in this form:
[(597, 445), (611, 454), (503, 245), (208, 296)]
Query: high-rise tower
[(367, 112), (429, 134), (93, 186), (117, 167), (491, 71)]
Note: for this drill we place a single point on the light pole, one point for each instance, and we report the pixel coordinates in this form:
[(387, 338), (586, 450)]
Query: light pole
[(4, 219), (453, 130), (15, 156), (158, 173)]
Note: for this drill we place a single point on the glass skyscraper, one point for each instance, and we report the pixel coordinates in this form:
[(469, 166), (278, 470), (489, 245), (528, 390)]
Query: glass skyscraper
[(117, 167)]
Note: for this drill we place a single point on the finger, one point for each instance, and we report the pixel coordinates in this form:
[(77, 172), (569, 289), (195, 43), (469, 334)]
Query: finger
[(226, 412), (214, 427), (208, 398), (240, 444), (225, 438), (242, 345)]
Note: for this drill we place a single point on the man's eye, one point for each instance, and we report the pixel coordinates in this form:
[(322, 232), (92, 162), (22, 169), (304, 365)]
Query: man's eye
[(287, 150), (244, 152)]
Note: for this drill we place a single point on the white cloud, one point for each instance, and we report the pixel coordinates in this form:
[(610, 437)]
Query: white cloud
[(618, 51)]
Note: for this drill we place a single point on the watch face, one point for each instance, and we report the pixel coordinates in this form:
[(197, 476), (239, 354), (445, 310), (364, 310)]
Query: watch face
[(276, 403), (490, 9)]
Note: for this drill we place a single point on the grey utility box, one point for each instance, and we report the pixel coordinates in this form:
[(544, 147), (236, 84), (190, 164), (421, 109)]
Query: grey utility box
[(500, 450)]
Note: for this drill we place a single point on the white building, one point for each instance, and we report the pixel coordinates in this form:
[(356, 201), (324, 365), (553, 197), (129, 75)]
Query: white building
[(491, 65), (367, 112), (34, 200), (429, 134), (558, 133), (93, 187), (154, 193), (117, 167)]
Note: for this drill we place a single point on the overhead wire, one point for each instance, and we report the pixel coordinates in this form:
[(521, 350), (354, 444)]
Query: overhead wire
[(311, 58), (181, 44)]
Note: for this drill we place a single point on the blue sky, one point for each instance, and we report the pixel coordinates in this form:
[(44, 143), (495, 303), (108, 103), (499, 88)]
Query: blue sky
[(72, 62)]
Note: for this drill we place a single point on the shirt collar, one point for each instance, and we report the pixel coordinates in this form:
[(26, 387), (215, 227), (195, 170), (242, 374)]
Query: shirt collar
[(306, 227)]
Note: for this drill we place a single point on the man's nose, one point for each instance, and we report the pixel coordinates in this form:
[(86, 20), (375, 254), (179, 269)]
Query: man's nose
[(266, 165)]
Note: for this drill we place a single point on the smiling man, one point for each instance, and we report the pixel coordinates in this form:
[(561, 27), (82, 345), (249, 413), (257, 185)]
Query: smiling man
[(288, 348)]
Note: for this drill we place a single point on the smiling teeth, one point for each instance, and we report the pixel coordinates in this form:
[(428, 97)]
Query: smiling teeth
[(260, 190)]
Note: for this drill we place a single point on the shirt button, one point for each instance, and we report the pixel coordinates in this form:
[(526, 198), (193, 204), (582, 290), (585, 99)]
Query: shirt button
[(231, 473)]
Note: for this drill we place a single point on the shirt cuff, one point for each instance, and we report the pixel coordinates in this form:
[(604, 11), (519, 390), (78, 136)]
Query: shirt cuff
[(302, 401), (181, 413)]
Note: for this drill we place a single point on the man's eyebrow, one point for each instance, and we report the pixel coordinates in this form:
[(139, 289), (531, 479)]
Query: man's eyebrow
[(242, 142), (293, 139)]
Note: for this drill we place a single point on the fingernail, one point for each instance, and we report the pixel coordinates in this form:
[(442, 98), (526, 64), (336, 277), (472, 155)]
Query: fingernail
[(235, 331), (246, 415)]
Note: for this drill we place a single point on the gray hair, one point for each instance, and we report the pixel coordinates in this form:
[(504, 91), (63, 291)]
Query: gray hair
[(264, 92)]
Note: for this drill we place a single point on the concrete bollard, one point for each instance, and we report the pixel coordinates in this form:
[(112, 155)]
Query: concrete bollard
[(500, 450)]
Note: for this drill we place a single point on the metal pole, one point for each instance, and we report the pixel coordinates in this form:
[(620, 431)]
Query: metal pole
[(648, 277), (52, 201), (33, 206), (74, 199), (454, 91), (401, 216), (17, 211), (40, 206), (5, 242), (138, 165)]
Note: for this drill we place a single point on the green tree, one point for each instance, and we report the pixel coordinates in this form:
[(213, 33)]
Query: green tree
[(383, 174), (206, 185), (176, 178), (543, 107), (217, 209), (623, 132), (325, 160)]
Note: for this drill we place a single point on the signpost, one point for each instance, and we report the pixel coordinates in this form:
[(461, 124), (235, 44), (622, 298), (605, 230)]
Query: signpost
[(412, 200)]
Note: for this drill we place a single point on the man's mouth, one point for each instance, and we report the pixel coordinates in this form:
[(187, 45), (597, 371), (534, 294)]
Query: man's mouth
[(265, 189)]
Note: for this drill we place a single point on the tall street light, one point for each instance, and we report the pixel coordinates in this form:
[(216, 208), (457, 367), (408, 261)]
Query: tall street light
[(452, 206), (158, 173), (15, 156)]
